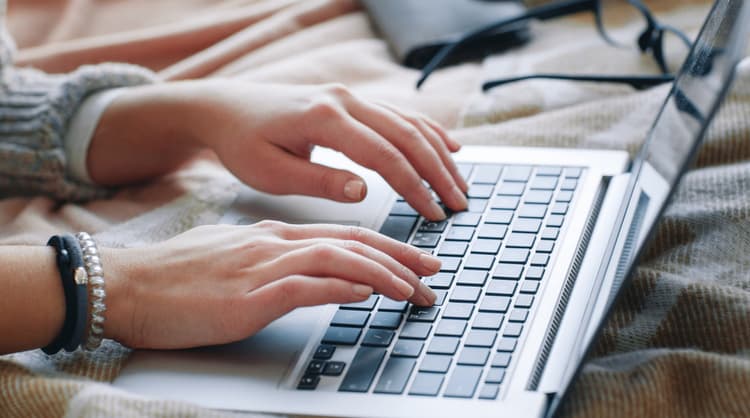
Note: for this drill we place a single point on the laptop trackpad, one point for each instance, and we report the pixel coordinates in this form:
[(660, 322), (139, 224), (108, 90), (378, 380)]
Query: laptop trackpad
[(258, 363)]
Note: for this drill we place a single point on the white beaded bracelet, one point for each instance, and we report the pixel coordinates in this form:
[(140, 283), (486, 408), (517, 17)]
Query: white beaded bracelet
[(97, 293)]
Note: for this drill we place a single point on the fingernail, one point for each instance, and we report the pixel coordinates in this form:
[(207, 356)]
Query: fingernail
[(362, 290), (430, 262), (354, 190), (403, 288), (428, 295), (437, 212), (461, 197)]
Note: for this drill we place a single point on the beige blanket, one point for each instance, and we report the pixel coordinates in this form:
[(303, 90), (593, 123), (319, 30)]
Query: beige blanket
[(679, 342)]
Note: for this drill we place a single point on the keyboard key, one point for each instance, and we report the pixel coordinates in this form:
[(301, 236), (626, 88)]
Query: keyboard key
[(517, 173), (334, 368), (535, 273), (423, 314), (407, 348), (324, 352), (518, 315), (451, 327), (315, 367), (489, 392), (505, 202), (479, 261), (525, 301), (433, 226), (440, 296), (532, 211), (425, 239), (529, 286), (365, 305), (492, 231), (569, 184), (472, 278), (499, 217), (378, 338), (443, 345), (514, 256), (572, 172), (416, 330), (545, 246), (487, 174), (507, 344), (477, 205), (564, 196), (403, 208), (473, 356), (501, 360), (453, 248), (386, 320), (341, 335), (527, 225), (439, 281), (465, 169), (426, 384), (392, 305), (463, 382), (398, 227), (540, 259), (511, 189), (538, 196), (455, 310), (362, 369), (559, 208), (349, 318), (501, 287), (450, 264), (480, 338), (466, 294), (508, 271), (467, 219), (308, 382), (495, 304), (550, 233), (435, 363), (486, 320), (486, 246), (495, 375), (555, 221), (481, 191), (513, 329), (543, 183), (520, 240), (548, 171), (459, 233), (395, 375)]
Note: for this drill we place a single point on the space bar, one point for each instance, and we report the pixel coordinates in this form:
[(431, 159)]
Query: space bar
[(363, 369)]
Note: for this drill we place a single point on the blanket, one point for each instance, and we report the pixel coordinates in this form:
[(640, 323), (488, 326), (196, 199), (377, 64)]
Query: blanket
[(678, 343)]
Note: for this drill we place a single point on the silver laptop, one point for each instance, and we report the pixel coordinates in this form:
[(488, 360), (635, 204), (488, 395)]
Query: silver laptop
[(529, 275)]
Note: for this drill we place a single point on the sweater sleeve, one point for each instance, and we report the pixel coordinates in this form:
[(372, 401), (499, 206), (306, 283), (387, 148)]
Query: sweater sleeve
[(35, 113)]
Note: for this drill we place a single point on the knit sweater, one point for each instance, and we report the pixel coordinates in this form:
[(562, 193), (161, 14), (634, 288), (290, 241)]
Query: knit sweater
[(35, 113)]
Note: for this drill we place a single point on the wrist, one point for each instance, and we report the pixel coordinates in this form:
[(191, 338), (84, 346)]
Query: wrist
[(120, 269)]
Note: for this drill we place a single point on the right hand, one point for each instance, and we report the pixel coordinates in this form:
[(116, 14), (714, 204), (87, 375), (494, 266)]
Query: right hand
[(218, 284)]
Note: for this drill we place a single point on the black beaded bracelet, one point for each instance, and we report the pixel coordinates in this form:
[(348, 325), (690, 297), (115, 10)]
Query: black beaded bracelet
[(74, 279)]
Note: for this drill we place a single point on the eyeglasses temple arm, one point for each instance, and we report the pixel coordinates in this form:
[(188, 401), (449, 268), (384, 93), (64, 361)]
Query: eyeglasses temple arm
[(637, 82), (544, 12)]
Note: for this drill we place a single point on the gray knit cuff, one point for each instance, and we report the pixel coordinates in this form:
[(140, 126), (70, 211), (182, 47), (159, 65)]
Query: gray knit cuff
[(35, 111)]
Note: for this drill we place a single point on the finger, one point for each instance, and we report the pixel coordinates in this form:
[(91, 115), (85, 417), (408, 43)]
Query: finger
[(278, 298), (452, 144), (324, 260), (423, 294), (308, 178), (437, 142), (366, 147), (418, 150)]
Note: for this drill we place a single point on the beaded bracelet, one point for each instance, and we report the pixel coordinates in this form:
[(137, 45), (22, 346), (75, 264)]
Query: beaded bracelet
[(96, 291)]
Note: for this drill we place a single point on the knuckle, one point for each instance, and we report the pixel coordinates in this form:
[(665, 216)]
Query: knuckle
[(338, 90), (288, 291), (323, 109), (356, 233), (324, 252), (327, 183), (354, 246), (388, 156)]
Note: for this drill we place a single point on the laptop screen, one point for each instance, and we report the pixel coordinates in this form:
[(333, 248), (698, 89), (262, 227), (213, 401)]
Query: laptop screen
[(673, 142)]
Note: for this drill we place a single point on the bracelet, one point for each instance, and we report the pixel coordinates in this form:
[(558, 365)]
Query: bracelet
[(96, 291), (74, 280)]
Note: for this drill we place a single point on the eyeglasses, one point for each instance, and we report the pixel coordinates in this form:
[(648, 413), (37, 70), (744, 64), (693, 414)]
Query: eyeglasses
[(667, 45)]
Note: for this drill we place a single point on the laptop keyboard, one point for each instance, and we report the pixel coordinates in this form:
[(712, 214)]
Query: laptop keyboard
[(494, 260)]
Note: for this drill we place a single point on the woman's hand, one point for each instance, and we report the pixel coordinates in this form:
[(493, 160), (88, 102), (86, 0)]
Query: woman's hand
[(218, 284), (265, 133)]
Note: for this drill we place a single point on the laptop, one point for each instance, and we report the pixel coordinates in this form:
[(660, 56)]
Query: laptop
[(530, 273)]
